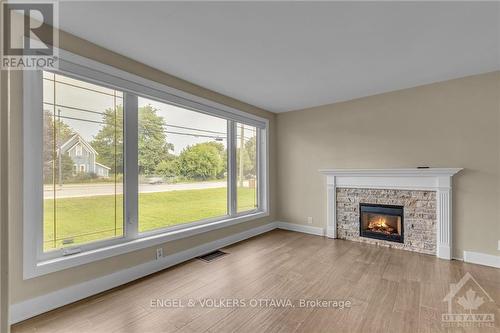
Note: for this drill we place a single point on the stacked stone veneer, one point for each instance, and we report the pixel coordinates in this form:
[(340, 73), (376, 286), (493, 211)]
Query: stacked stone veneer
[(419, 216)]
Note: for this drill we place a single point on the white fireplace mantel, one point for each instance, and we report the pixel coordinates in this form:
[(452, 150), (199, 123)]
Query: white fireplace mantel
[(430, 179)]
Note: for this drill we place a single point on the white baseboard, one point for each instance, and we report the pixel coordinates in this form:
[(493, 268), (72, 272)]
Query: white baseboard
[(482, 259), (38, 305), (307, 229)]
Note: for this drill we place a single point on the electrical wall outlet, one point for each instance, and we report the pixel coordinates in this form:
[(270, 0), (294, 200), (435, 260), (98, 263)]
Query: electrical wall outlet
[(159, 253), (309, 220)]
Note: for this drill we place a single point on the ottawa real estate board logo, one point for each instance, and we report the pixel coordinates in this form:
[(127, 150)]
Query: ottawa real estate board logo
[(469, 305), (29, 35)]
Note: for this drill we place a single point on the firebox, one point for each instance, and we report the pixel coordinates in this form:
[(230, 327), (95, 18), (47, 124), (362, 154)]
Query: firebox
[(384, 222)]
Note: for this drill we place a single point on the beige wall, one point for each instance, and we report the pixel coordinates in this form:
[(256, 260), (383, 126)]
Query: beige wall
[(448, 124), (23, 290), (4, 240)]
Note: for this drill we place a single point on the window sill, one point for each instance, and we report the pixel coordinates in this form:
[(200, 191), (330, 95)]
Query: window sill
[(61, 263)]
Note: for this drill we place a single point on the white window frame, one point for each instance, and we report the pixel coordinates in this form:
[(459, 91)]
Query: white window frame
[(36, 262)]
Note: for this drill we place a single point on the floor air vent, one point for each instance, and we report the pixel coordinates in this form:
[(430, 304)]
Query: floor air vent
[(212, 256)]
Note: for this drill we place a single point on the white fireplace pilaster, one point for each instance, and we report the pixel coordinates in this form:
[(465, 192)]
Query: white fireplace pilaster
[(444, 225), (331, 214), (431, 179)]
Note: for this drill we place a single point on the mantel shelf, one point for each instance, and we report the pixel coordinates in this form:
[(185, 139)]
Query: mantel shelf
[(411, 172)]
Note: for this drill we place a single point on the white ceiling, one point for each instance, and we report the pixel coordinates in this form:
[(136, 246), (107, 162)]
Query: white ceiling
[(284, 56)]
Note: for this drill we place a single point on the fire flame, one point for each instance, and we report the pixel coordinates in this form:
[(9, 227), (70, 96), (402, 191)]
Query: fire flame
[(380, 223)]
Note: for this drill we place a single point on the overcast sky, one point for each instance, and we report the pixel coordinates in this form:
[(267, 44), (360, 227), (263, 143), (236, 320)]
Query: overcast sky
[(68, 95)]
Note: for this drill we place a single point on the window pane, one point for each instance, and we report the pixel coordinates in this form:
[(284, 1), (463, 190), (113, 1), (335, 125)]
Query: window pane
[(182, 165), (246, 167), (83, 162)]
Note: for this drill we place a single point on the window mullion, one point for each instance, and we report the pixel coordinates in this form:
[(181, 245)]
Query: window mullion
[(231, 148), (130, 139)]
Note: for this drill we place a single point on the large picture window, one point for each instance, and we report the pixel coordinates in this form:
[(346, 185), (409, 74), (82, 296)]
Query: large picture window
[(114, 162)]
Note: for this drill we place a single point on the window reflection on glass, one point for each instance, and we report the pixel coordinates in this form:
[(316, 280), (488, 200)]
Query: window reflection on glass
[(246, 167), (182, 156), (82, 162)]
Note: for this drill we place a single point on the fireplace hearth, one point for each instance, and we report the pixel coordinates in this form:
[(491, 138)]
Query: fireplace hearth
[(383, 222)]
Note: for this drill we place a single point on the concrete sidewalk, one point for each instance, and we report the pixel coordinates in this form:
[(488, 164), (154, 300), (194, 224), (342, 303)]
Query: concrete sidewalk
[(90, 190)]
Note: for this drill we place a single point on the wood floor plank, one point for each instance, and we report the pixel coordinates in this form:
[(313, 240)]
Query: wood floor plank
[(389, 291)]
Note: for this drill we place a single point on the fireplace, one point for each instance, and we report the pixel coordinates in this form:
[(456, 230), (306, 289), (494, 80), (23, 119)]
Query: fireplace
[(381, 222)]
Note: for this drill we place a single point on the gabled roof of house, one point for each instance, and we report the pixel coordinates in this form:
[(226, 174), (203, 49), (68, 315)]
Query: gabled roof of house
[(77, 138)]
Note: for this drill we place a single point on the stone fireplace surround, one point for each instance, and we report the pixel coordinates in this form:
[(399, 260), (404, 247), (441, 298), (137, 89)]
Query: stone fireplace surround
[(430, 180), (419, 216)]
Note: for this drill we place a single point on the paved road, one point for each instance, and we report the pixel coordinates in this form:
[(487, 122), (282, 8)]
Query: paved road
[(90, 190)]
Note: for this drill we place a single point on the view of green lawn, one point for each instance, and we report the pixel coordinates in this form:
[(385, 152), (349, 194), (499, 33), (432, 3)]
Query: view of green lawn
[(86, 219)]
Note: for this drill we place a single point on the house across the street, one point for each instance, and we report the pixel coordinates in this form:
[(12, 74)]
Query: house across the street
[(84, 156)]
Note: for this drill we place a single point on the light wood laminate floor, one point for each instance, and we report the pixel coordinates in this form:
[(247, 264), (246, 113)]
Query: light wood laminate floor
[(390, 290)]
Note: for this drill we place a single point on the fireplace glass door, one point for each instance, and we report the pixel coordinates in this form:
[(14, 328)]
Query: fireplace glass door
[(382, 222)]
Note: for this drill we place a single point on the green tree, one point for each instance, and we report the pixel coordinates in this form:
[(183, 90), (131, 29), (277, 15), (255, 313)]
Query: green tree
[(66, 167), (201, 161), (108, 142), (223, 156), (168, 168), (153, 145), (249, 159), (250, 165)]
